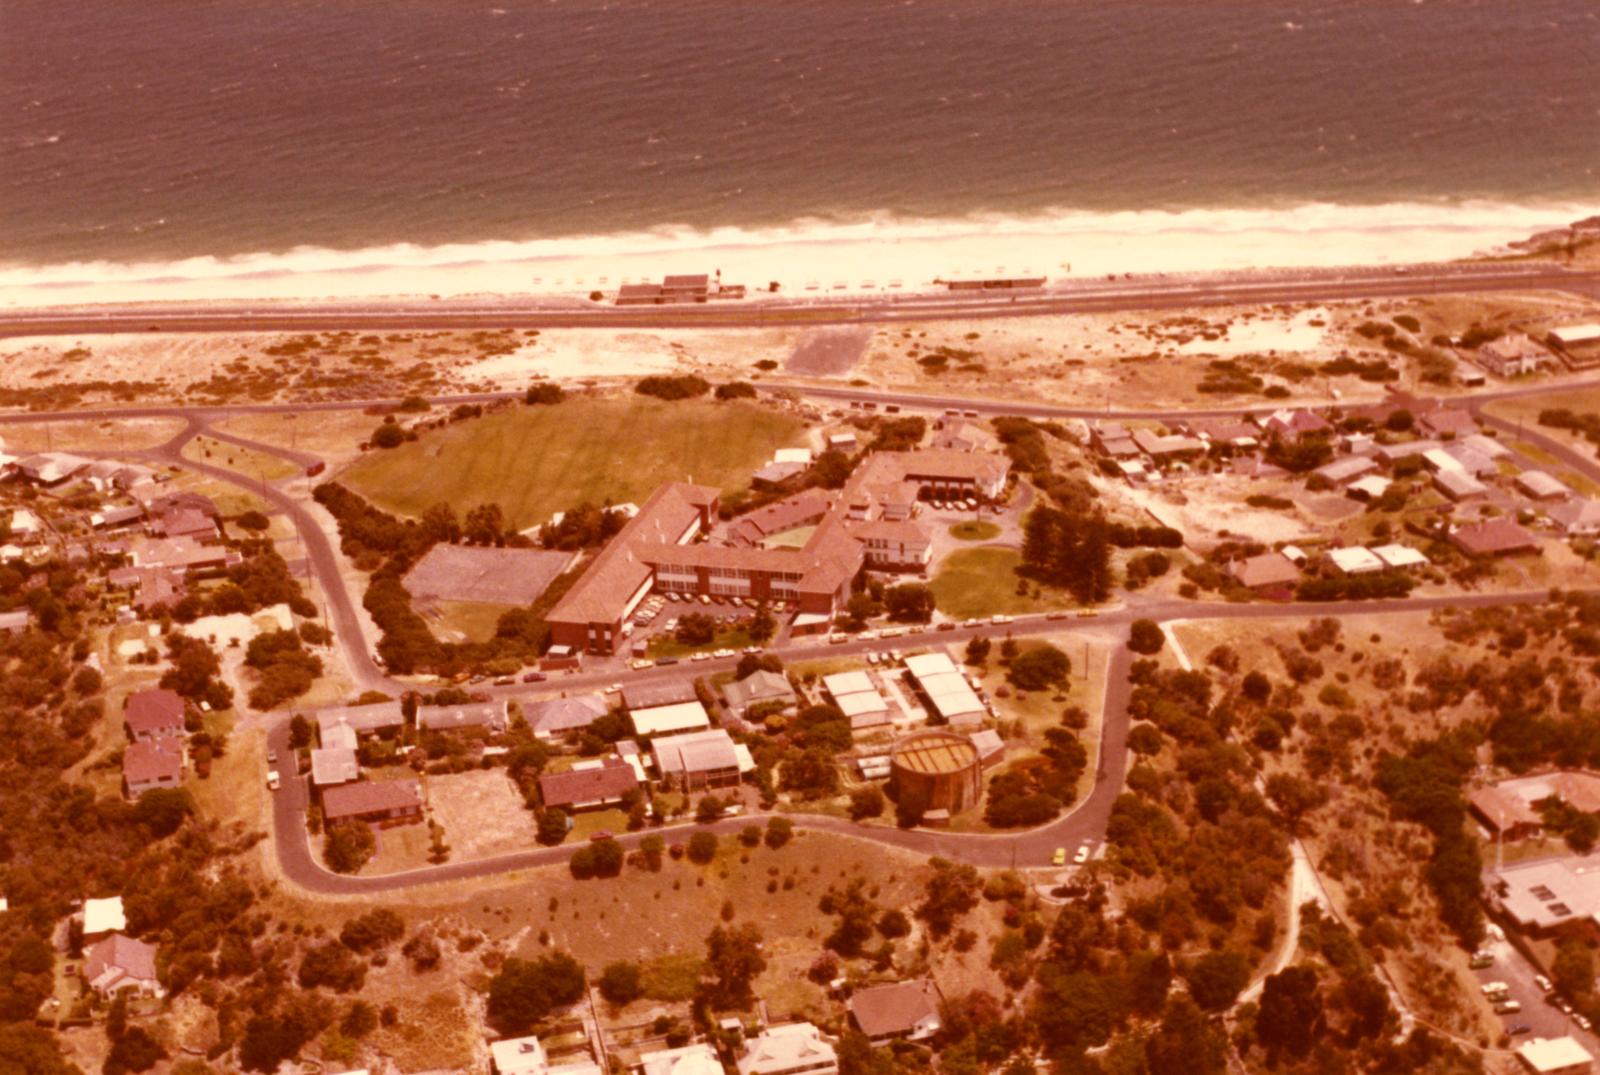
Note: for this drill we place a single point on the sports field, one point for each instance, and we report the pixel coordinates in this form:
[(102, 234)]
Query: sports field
[(535, 461)]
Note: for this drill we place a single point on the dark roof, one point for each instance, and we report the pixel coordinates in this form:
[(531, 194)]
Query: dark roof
[(1493, 537), (160, 758), (134, 958), (894, 1009), (153, 710), (369, 797), (610, 780), (650, 695)]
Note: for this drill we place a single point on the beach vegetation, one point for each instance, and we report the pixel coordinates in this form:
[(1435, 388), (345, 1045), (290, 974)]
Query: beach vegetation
[(673, 387)]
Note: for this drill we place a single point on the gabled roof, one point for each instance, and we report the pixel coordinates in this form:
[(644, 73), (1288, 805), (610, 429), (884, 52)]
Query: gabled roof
[(556, 715), (370, 797), (695, 752), (123, 957), (894, 1009), (1493, 537), (1269, 569), (760, 685), (158, 758), (610, 780), (445, 718), (152, 711), (334, 765)]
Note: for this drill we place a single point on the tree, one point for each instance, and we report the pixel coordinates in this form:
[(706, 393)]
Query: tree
[(1185, 1042), (702, 847), (621, 982), (388, 435), (779, 831), (696, 629), (1041, 668), (525, 991), (762, 626), (1256, 687), (485, 525), (734, 959), (910, 602), (376, 929), (811, 773), (299, 732), (545, 392), (866, 802), (736, 390), (134, 1050), (1573, 969), (855, 912), (552, 825), (1290, 1014), (708, 810), (1294, 797), (951, 892), (1146, 637), (1217, 978), (333, 965), (439, 522), (1144, 739), (359, 1021), (162, 810), (349, 845), (977, 651)]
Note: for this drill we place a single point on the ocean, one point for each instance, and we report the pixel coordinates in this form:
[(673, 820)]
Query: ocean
[(151, 143)]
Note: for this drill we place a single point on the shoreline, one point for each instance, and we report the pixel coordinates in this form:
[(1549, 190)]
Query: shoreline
[(816, 260)]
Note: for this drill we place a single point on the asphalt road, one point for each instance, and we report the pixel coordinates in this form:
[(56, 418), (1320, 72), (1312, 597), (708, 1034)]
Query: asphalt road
[(1067, 298)]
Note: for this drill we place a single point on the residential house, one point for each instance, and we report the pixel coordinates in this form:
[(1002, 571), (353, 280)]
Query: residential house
[(488, 718), (558, 717), (1458, 485), (903, 1010), (120, 964), (843, 441), (708, 759), (335, 765), (366, 721), (152, 763), (1371, 487), (696, 1059), (1446, 422), (15, 621), (25, 526), (1355, 560), (1112, 439), (589, 785), (1167, 449), (373, 801), (790, 1049), (1577, 517), (1541, 486), (1269, 572), (958, 435), (1234, 433), (1494, 537), (669, 719), (1295, 423), (1400, 557), (1346, 470), (155, 712), (50, 468), (757, 687)]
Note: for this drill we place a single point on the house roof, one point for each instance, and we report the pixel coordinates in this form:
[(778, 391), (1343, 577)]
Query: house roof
[(159, 758), (334, 765), (444, 718), (759, 686), (1342, 470), (785, 514), (1458, 484), (370, 797), (695, 752), (611, 779), (793, 1047), (840, 684), (1576, 513), (557, 715), (1553, 1054), (519, 1056), (1400, 555), (894, 1009), (677, 717), (696, 1059), (1267, 569), (363, 719), (1537, 483), (1447, 420), (154, 710), (1355, 560), (1492, 537), (650, 695), (122, 954), (988, 742)]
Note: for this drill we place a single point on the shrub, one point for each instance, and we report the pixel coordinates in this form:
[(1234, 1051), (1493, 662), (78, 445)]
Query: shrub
[(1146, 637), (388, 435), (682, 386), (350, 844), (736, 390), (543, 393), (702, 847), (621, 982), (779, 831)]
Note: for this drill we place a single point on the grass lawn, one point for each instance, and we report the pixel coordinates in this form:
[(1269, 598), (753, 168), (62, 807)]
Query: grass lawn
[(790, 539), (535, 461), (974, 530), (727, 638), (473, 621), (404, 847), (983, 582)]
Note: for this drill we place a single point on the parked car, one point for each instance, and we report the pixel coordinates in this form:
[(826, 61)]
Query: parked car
[(1082, 855), (1545, 985), (505, 681), (272, 780), (1508, 1007), (272, 756), (1582, 1020), (534, 677), (1520, 1028), (1059, 858)]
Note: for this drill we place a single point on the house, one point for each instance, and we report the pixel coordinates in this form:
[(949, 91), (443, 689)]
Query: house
[(489, 718), (1555, 1056), (708, 759), (1112, 439), (1233, 432), (1268, 572), (374, 719), (1372, 487), (1487, 447), (152, 763), (1577, 517), (518, 1056), (1458, 485), (1446, 422), (758, 687), (958, 435), (790, 1049), (118, 964), (1400, 557), (1509, 808), (651, 695), (151, 713), (669, 719), (844, 441), (1354, 560), (589, 785), (1346, 470), (182, 555), (908, 1010), (1295, 423), (1169, 448), (774, 474), (1494, 537), (373, 801), (115, 518), (334, 765), (1513, 355), (1504, 813), (103, 917), (49, 468), (696, 1059), (1541, 486), (1471, 460), (556, 717), (16, 621), (25, 525)]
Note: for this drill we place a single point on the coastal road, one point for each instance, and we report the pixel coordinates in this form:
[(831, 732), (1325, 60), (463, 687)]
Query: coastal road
[(1069, 298)]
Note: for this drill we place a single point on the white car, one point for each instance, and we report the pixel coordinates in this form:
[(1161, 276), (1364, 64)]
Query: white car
[(701, 656), (1082, 855), (1545, 985), (272, 780)]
